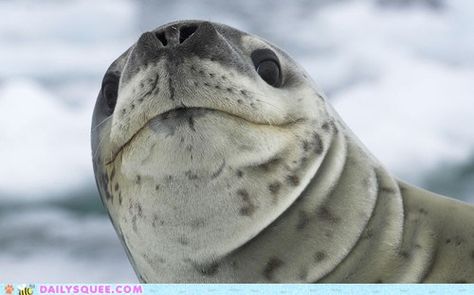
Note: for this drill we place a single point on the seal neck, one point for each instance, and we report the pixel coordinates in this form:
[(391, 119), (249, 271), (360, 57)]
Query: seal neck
[(369, 196)]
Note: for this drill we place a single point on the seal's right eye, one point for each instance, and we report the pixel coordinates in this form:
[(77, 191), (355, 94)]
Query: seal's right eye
[(267, 66), (109, 91)]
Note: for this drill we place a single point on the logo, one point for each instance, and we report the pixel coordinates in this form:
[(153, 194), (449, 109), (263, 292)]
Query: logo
[(9, 289), (26, 290)]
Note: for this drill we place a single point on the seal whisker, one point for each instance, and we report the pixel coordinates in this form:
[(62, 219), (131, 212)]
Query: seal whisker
[(94, 155), (290, 117), (102, 122)]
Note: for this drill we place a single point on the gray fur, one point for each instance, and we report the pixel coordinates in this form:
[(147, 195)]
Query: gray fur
[(211, 175)]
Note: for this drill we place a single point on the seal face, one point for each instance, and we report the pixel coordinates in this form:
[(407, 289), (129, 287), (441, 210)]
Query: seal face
[(219, 160)]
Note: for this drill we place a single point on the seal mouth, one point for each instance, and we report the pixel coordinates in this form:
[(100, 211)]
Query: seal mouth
[(187, 113)]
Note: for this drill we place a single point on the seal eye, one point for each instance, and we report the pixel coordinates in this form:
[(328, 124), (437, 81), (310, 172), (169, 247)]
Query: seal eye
[(267, 66), (109, 91), (269, 71)]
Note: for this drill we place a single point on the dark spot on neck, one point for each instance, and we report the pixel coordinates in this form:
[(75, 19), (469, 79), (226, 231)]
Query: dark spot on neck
[(293, 180), (248, 207), (326, 126), (139, 210), (303, 220), (190, 175), (423, 211), (274, 187), (183, 240), (269, 165), (272, 265), (325, 214), (405, 254), (458, 241), (306, 145), (319, 256), (207, 270), (198, 223), (318, 144), (303, 274)]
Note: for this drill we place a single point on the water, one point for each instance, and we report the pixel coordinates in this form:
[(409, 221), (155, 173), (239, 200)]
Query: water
[(399, 72)]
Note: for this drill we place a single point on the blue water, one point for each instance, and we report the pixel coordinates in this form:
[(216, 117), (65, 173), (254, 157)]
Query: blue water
[(399, 72)]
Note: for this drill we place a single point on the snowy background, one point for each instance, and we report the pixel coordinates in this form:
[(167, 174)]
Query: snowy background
[(400, 73)]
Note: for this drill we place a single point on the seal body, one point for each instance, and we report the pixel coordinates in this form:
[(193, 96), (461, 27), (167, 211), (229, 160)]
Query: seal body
[(219, 160)]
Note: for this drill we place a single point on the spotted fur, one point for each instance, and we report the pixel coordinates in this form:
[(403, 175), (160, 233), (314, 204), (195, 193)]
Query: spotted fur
[(255, 183)]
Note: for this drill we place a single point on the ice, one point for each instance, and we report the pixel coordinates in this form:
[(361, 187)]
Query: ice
[(415, 116), (44, 148), (72, 38), (51, 70), (53, 246)]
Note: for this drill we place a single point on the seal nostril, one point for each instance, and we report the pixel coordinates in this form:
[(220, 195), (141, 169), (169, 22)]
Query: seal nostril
[(185, 32), (162, 38)]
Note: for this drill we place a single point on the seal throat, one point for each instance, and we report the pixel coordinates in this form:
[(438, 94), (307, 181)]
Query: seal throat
[(325, 207)]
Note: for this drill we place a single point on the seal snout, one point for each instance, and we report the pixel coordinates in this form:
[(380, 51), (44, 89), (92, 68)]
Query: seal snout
[(174, 35), (169, 35)]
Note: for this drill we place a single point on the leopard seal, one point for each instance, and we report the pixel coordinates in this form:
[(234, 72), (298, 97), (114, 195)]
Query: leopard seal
[(219, 160)]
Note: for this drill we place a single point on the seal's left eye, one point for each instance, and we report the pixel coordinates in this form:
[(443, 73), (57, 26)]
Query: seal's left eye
[(267, 66), (269, 71), (110, 91)]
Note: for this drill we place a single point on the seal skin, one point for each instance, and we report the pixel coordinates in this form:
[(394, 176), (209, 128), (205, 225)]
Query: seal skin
[(219, 160)]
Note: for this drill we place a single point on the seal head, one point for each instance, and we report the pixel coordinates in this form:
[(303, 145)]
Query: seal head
[(201, 136)]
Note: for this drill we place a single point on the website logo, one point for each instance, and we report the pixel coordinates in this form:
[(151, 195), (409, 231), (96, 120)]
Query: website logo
[(26, 290), (9, 289)]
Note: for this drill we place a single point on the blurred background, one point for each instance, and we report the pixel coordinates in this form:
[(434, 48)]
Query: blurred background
[(400, 73)]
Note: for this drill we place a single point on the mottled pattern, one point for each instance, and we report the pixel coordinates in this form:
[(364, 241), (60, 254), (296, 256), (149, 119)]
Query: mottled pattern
[(210, 174)]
